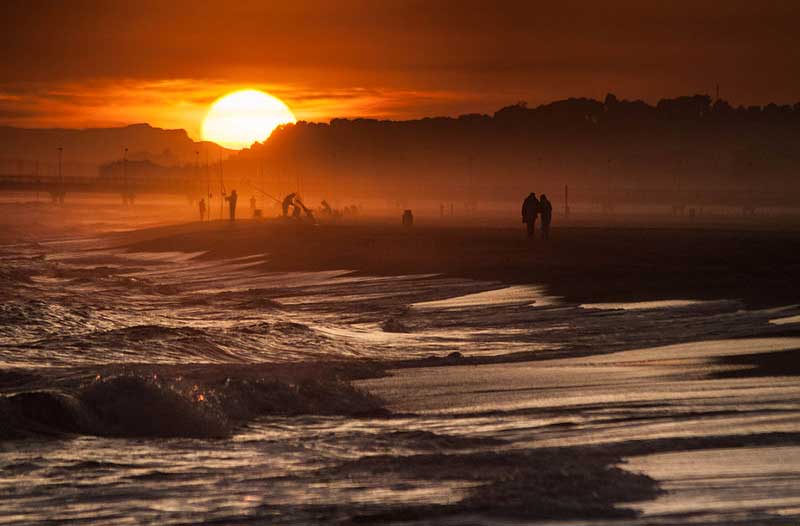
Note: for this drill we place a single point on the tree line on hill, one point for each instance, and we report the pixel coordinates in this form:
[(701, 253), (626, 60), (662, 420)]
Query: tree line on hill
[(690, 147)]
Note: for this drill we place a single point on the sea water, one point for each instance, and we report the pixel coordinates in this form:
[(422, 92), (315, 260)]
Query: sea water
[(135, 374)]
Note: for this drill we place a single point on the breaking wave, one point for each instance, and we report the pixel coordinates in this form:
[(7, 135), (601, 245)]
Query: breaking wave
[(15, 275), (139, 405)]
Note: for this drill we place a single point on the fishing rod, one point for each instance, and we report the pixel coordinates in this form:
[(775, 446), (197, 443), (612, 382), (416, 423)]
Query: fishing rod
[(265, 193), (260, 190), (221, 190), (208, 186)]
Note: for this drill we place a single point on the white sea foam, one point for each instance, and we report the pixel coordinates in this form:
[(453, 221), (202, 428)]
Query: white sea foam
[(642, 305), (514, 295), (785, 321)]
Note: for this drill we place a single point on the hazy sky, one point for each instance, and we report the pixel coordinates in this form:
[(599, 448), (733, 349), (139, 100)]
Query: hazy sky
[(84, 63)]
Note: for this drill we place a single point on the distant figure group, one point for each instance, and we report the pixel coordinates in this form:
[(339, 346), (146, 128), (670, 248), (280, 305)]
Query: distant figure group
[(294, 202), (532, 208)]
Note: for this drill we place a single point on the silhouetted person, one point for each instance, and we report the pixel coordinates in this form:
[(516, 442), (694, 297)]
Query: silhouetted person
[(253, 203), (530, 209), (287, 202), (201, 206), (231, 199), (546, 211), (408, 219)]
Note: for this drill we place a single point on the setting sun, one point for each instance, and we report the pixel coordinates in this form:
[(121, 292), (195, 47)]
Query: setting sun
[(241, 118)]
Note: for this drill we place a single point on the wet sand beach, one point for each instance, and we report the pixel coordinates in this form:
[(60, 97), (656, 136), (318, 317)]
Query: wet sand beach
[(584, 264)]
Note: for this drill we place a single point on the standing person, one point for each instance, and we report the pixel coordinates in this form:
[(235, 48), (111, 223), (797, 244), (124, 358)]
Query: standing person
[(530, 209), (546, 211), (253, 204), (202, 207), (231, 199)]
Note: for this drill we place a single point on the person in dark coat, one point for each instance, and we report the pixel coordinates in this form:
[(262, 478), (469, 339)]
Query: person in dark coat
[(546, 211), (530, 209), (231, 199)]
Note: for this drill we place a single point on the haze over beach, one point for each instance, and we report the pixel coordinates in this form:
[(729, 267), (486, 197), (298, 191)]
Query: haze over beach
[(399, 263)]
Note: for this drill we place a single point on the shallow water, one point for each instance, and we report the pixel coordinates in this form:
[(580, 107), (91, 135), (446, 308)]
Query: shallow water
[(621, 373), (663, 398), (725, 484)]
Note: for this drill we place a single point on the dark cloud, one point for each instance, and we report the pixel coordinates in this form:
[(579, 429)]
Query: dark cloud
[(14, 113)]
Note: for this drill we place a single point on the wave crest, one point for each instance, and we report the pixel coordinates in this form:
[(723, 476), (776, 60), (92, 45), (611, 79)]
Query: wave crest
[(138, 405)]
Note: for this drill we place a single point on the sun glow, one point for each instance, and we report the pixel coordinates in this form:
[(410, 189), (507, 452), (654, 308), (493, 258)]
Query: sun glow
[(241, 118)]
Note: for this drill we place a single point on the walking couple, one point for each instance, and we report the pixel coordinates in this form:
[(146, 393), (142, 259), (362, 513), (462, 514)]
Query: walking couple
[(533, 208)]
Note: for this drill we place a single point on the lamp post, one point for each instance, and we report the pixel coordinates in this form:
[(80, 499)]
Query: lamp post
[(60, 175), (125, 199)]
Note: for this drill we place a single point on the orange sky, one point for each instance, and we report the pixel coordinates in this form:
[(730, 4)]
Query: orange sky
[(108, 63)]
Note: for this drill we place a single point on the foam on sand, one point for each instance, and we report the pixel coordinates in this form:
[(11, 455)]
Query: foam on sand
[(642, 305), (722, 481), (516, 294), (701, 350), (786, 321)]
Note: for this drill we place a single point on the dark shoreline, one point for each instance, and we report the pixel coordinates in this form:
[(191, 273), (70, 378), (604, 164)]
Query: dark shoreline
[(581, 264)]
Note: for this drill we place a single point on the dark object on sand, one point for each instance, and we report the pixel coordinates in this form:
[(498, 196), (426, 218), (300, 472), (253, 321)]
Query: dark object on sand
[(455, 355), (393, 325), (530, 209), (298, 205), (408, 218)]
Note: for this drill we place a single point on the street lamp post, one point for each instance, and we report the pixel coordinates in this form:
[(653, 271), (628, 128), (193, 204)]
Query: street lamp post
[(125, 193)]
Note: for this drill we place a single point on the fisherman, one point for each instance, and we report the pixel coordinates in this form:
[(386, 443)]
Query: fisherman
[(202, 207), (326, 208), (231, 199), (530, 209), (253, 203), (287, 202), (298, 205), (546, 211)]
